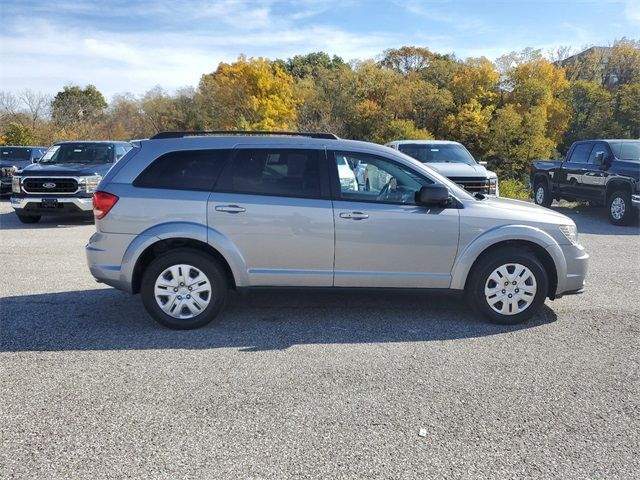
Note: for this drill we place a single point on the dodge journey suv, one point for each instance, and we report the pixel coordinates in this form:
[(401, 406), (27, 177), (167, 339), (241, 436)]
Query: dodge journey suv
[(186, 216)]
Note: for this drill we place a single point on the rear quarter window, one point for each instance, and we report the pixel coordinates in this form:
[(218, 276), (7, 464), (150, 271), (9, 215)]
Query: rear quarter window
[(184, 170)]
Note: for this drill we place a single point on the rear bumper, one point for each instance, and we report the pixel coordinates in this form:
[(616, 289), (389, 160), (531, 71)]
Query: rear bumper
[(65, 205)]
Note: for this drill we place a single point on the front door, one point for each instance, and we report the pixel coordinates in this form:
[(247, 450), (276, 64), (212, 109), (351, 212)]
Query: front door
[(574, 172), (273, 204), (383, 239)]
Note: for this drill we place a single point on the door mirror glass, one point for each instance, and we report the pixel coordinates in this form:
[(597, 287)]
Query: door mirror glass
[(433, 195)]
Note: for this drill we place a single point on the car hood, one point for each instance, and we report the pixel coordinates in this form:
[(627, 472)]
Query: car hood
[(72, 169), (7, 162), (519, 210), (345, 172), (460, 170)]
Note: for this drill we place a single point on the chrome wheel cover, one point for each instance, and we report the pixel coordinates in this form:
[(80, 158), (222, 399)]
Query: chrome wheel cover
[(618, 208), (540, 195), (182, 291), (510, 289)]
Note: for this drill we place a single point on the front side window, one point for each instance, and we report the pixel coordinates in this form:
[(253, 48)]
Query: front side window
[(79, 153), (581, 153), (277, 172), (184, 170), (384, 180), (598, 148), (437, 153)]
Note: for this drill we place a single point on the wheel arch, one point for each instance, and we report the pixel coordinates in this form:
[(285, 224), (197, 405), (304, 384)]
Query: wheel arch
[(163, 238), (538, 242), (617, 184)]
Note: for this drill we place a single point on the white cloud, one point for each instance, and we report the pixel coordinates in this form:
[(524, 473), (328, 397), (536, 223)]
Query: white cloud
[(632, 11)]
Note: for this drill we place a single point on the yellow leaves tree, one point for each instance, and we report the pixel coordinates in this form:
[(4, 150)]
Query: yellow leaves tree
[(477, 79), (249, 94), (470, 126)]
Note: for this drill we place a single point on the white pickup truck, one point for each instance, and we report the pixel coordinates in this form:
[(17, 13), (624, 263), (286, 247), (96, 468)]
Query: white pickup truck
[(452, 160)]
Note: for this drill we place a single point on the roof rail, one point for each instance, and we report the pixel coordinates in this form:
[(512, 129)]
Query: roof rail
[(193, 133)]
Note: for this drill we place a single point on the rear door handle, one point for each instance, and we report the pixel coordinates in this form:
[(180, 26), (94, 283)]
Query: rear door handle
[(230, 208), (354, 215)]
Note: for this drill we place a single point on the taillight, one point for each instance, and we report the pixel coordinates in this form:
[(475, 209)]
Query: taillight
[(102, 203)]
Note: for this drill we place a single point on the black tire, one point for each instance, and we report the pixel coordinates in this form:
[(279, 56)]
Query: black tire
[(620, 199), (541, 194), (486, 265), (203, 262), (29, 218)]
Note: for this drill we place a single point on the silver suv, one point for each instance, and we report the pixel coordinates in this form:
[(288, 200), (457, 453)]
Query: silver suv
[(185, 216)]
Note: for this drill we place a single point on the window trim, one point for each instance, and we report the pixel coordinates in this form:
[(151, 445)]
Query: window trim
[(336, 191), (323, 177)]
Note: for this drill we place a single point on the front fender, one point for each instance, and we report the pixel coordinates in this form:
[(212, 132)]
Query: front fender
[(465, 260), (192, 231)]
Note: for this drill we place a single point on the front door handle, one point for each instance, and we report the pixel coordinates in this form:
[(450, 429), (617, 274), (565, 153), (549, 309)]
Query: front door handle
[(230, 208), (354, 215)]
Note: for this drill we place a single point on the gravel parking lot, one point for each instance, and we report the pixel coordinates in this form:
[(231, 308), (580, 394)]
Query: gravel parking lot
[(313, 385)]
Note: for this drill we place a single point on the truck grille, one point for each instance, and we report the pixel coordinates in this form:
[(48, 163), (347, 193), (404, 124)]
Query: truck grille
[(472, 184), (49, 185)]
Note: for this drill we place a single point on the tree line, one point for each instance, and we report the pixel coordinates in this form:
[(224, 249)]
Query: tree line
[(521, 107)]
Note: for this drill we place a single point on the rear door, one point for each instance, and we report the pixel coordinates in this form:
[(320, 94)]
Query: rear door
[(383, 239), (274, 205)]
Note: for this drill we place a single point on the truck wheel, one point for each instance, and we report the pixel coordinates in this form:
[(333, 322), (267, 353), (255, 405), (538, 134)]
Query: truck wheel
[(28, 218), (507, 286), (619, 208), (542, 195), (184, 289)]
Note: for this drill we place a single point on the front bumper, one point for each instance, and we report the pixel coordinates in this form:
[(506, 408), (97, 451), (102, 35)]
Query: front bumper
[(635, 200), (65, 205), (573, 279)]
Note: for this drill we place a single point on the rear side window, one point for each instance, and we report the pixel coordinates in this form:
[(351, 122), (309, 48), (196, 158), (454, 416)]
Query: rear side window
[(277, 172), (581, 153), (184, 170)]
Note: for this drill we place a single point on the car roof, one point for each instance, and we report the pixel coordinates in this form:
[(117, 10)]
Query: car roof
[(21, 146), (110, 142), (230, 141), (425, 142)]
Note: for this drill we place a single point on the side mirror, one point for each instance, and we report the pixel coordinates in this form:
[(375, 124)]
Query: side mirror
[(599, 158), (433, 195)]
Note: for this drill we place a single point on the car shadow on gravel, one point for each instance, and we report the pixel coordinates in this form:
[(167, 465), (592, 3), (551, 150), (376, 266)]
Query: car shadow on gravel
[(9, 221), (595, 220), (107, 319)]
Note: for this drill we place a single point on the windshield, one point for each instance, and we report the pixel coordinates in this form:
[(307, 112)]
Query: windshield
[(438, 153), (629, 151), (458, 191), (15, 153), (79, 153)]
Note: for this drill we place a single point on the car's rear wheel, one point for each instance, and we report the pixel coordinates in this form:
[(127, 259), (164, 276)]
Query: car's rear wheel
[(542, 195), (508, 286), (28, 218), (619, 207), (184, 289)]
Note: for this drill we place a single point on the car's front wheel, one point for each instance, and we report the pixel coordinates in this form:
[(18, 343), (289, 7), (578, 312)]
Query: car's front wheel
[(619, 207), (184, 289), (508, 286), (542, 195)]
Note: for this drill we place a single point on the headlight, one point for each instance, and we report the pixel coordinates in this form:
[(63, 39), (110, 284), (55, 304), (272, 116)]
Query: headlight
[(15, 184), (90, 183), (493, 186), (571, 232)]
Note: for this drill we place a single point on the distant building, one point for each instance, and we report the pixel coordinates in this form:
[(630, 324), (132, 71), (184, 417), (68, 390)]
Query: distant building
[(600, 54)]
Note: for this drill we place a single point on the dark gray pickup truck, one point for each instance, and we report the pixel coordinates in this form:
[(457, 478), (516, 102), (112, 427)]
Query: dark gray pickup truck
[(603, 172)]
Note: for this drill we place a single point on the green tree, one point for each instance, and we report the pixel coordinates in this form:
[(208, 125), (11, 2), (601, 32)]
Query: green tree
[(74, 104), (628, 110), (19, 135), (310, 65)]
